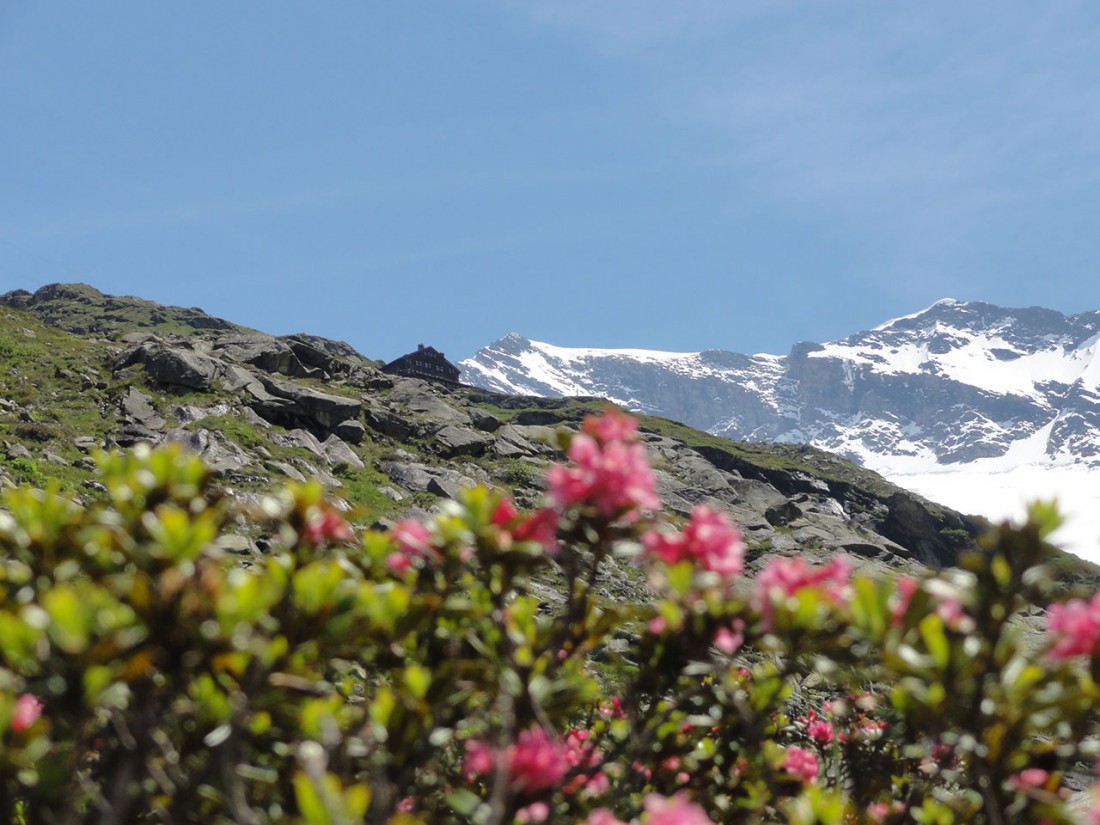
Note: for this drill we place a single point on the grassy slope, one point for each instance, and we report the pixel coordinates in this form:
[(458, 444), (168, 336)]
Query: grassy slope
[(60, 387)]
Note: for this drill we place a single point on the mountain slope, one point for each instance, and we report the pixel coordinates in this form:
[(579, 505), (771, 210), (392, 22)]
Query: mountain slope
[(939, 399), (263, 409)]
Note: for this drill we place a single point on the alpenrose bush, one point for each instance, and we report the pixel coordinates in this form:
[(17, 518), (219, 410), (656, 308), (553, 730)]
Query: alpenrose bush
[(468, 670)]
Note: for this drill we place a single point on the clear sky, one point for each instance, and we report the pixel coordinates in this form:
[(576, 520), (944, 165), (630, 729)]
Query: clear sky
[(667, 175)]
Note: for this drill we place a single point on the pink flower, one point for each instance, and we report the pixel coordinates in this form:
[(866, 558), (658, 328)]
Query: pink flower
[(504, 513), (612, 425), (399, 563), (1075, 628), (609, 472), (729, 640), (535, 812), (613, 710), (27, 710), (879, 811), (784, 577), (578, 750), (413, 541), (676, 810), (602, 816), (820, 731), (709, 540), (541, 526), (1030, 778), (536, 761), (954, 615), (944, 755), (327, 527), (907, 588), (801, 763), (479, 758)]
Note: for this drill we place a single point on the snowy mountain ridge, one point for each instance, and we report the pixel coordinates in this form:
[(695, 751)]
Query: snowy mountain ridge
[(928, 399)]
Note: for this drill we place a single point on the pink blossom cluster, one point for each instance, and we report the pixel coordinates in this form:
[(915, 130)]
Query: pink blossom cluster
[(879, 811), (1030, 778), (535, 762), (541, 526), (783, 577), (675, 810), (801, 763), (414, 546), (729, 639), (950, 610), (821, 731), (844, 720), (326, 526), (709, 541), (1074, 627), (27, 711), (818, 727), (906, 589), (659, 810), (580, 752), (609, 470), (954, 615)]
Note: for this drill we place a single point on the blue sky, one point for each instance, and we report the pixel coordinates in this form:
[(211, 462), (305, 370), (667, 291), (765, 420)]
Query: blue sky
[(682, 176)]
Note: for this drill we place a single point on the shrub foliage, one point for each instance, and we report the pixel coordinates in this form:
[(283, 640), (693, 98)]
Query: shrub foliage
[(431, 675)]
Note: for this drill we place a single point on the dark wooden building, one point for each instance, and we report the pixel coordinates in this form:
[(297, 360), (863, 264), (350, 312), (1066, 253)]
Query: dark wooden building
[(427, 363)]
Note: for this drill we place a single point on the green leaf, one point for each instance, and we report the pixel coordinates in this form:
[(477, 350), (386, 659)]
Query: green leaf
[(70, 618), (932, 631), (463, 802), (1045, 516), (418, 679), (309, 801)]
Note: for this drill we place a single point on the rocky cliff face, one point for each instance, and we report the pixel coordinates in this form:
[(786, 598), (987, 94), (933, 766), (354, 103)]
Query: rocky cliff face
[(262, 409)]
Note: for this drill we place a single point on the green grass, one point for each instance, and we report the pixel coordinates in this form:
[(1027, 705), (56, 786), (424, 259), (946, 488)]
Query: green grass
[(329, 387), (765, 455), (508, 408), (247, 436), (1073, 571), (42, 374), (361, 488)]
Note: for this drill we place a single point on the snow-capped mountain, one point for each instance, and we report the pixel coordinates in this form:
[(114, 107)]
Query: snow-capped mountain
[(954, 401)]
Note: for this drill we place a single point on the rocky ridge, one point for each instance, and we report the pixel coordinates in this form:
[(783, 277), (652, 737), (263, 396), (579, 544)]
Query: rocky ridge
[(261, 409)]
